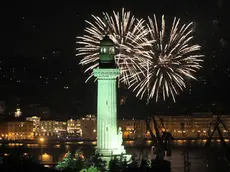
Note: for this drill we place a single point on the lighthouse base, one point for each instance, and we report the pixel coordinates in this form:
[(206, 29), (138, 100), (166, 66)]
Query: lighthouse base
[(107, 155), (111, 152), (107, 159)]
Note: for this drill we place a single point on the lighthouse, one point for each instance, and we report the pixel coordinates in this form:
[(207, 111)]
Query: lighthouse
[(109, 136)]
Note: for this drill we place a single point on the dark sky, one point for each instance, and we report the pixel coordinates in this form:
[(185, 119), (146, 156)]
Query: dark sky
[(31, 31)]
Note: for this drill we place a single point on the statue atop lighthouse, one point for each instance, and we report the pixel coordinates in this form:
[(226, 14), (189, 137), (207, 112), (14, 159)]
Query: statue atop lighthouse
[(109, 136)]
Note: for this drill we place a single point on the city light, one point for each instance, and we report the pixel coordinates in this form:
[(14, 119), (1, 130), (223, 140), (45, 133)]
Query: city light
[(18, 113), (41, 139), (86, 128)]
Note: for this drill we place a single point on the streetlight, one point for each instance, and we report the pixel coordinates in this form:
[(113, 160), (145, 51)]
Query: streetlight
[(41, 141)]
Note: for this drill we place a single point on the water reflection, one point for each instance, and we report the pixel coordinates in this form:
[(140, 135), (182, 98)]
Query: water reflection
[(201, 160), (15, 144), (57, 146), (128, 143), (32, 145)]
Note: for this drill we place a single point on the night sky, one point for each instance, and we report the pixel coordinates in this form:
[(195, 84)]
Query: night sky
[(38, 63)]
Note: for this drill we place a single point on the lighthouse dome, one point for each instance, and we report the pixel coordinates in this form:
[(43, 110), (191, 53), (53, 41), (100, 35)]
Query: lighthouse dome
[(106, 41), (107, 53)]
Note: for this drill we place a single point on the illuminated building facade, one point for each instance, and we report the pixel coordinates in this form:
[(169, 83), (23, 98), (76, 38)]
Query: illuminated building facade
[(133, 128), (61, 129), (193, 126), (36, 124), (181, 127), (17, 130), (74, 128), (47, 129), (88, 127)]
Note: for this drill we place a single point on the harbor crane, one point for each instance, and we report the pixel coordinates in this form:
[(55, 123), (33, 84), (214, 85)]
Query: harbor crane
[(161, 139), (213, 127)]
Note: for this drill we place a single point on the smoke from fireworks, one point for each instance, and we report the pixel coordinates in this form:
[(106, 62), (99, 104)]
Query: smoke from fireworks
[(173, 59), (129, 36)]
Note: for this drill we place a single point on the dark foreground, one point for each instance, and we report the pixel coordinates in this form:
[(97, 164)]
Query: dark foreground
[(29, 164), (19, 163)]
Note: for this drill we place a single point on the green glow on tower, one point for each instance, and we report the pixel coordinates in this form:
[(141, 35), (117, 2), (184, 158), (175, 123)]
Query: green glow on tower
[(109, 137)]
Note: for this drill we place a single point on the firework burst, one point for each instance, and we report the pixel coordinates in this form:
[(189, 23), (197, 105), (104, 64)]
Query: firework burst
[(129, 36), (173, 59)]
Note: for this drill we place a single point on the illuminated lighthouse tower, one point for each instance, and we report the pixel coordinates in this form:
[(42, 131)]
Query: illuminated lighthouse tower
[(109, 137)]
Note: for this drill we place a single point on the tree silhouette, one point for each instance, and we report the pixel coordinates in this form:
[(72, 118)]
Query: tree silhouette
[(145, 163), (71, 163), (97, 162), (134, 164), (91, 169), (115, 165)]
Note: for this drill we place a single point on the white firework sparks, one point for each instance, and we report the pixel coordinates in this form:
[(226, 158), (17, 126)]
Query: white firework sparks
[(129, 36), (173, 58)]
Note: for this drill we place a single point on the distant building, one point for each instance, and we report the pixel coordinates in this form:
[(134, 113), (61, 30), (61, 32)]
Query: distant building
[(74, 129), (89, 126), (194, 126), (17, 130), (61, 129), (128, 127), (133, 128), (36, 124), (47, 129)]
